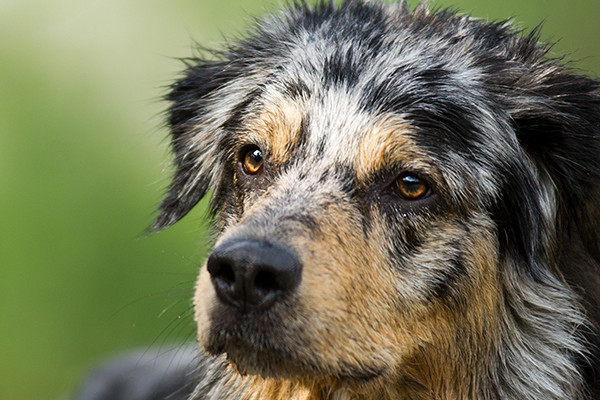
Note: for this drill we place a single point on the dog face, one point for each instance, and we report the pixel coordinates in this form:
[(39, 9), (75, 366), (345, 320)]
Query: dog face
[(379, 176), (376, 236)]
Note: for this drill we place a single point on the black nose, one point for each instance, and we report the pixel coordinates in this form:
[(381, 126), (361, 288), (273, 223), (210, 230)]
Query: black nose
[(252, 274)]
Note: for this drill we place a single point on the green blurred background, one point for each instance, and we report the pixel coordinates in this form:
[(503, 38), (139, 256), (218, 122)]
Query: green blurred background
[(84, 161)]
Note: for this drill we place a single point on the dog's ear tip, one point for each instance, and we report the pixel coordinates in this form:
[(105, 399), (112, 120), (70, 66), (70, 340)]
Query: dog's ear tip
[(165, 219), (158, 225), (167, 214)]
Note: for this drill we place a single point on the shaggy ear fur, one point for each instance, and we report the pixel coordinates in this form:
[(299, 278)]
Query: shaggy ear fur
[(556, 115), (196, 131), (558, 122)]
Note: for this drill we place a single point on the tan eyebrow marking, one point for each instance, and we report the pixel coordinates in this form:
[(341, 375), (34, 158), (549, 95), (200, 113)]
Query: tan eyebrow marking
[(278, 127), (387, 142)]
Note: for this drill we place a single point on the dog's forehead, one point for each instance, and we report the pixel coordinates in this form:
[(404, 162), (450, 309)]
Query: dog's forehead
[(344, 111), (332, 128), (328, 128), (388, 94)]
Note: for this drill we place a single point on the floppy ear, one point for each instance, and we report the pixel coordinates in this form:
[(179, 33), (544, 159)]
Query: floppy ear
[(195, 134), (556, 115), (558, 123)]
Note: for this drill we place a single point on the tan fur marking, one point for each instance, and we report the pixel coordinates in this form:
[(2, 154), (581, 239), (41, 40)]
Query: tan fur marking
[(276, 129), (385, 144), (432, 345), (261, 388)]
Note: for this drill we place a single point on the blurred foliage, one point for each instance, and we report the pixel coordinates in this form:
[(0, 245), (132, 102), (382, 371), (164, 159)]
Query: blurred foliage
[(84, 161)]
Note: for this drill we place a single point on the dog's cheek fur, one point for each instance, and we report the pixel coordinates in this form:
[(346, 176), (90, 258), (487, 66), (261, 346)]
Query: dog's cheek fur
[(448, 293)]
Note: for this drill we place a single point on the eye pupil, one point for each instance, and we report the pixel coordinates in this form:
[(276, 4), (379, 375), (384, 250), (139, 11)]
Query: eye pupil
[(253, 161), (411, 187)]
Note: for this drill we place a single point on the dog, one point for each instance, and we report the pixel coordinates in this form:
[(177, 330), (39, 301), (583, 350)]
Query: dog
[(405, 204)]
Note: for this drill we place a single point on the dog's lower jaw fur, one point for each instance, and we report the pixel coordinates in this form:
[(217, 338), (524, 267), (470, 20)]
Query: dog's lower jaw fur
[(494, 362)]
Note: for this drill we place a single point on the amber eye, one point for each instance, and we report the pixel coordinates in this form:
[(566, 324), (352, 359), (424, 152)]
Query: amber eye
[(252, 160), (411, 187)]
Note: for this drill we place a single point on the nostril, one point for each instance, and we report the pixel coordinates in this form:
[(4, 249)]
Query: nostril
[(265, 281), (224, 272)]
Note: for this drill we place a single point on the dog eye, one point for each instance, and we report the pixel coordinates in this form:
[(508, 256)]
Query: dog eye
[(252, 160), (411, 187)]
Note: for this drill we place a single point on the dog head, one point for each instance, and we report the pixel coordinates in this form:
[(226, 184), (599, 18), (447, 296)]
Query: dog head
[(389, 186)]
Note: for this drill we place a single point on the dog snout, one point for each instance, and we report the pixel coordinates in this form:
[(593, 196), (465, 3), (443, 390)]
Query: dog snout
[(250, 274)]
